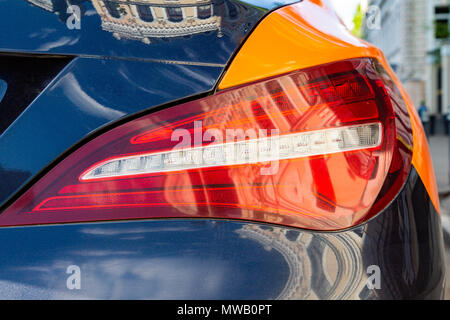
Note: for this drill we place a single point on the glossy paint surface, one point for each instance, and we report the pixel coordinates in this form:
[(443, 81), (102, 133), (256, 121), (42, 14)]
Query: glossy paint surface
[(3, 87), (107, 28), (308, 34), (291, 38), (24, 78), (88, 94), (220, 259)]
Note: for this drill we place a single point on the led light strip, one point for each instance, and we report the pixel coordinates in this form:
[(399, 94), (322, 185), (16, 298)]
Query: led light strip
[(290, 146)]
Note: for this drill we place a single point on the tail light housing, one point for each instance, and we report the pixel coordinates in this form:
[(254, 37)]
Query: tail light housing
[(324, 148)]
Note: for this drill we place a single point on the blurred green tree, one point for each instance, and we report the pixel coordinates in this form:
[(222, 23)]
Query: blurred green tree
[(358, 21)]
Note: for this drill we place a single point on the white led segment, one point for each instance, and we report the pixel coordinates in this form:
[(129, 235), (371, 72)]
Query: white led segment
[(290, 146)]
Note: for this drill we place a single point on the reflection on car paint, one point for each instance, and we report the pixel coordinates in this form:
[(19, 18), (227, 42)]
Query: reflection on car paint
[(3, 87), (132, 29)]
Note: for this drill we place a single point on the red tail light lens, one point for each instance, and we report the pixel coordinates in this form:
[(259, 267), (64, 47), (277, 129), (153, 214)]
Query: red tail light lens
[(324, 148)]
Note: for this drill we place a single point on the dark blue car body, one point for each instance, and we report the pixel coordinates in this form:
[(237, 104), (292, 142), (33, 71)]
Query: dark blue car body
[(62, 86)]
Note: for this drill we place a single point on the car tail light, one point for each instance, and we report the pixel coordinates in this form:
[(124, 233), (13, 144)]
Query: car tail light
[(324, 148)]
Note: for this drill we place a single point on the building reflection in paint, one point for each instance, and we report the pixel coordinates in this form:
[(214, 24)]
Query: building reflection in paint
[(320, 267), (148, 21)]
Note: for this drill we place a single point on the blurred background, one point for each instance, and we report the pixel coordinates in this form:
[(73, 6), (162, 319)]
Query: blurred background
[(415, 37)]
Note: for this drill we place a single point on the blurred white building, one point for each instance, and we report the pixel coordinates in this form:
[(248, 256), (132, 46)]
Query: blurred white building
[(414, 34), (400, 32), (438, 56)]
